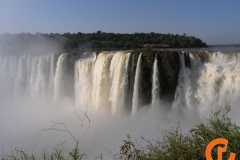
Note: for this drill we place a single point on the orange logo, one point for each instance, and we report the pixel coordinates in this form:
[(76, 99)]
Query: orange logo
[(221, 149)]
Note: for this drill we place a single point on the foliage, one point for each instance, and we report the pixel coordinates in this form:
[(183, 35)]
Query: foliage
[(58, 153), (176, 145), (82, 42)]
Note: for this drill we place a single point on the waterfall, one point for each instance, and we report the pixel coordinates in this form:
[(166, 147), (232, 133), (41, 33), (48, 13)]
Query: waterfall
[(101, 87), (219, 83), (33, 68), (219, 57), (53, 61), (135, 101), (83, 82), (21, 77), (103, 83), (192, 78), (179, 99), (38, 77), (156, 81), (119, 81), (187, 80), (113, 80), (208, 86), (60, 77), (8, 67), (42, 76), (32, 76)]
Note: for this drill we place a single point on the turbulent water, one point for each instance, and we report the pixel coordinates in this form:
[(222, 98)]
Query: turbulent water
[(155, 80), (54, 87)]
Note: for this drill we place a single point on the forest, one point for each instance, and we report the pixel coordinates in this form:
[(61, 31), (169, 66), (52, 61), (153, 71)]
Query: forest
[(97, 41)]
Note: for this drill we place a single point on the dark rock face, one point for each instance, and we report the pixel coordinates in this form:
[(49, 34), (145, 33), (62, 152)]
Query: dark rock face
[(169, 70), (147, 72), (168, 66), (69, 86), (131, 77)]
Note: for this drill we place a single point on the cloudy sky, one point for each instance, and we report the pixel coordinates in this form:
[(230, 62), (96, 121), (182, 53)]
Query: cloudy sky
[(215, 22)]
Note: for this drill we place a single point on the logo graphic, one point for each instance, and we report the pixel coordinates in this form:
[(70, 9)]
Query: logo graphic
[(218, 141)]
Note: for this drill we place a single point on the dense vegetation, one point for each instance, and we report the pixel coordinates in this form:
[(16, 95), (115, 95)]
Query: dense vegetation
[(110, 41), (174, 145), (74, 42)]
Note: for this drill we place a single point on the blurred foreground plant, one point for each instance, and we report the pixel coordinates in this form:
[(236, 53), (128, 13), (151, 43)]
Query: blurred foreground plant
[(59, 152), (176, 145)]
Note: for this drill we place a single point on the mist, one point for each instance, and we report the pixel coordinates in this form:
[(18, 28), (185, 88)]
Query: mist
[(37, 90), (23, 124), (33, 44), (40, 87)]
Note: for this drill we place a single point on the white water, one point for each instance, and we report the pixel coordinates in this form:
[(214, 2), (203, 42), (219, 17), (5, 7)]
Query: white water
[(27, 76), (83, 82), (119, 82), (104, 83), (53, 62), (156, 81), (7, 71), (101, 87), (208, 86), (136, 86), (42, 77), (29, 83), (219, 83), (60, 78), (21, 77)]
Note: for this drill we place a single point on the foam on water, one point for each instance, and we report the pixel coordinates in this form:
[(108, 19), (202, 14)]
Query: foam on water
[(37, 89)]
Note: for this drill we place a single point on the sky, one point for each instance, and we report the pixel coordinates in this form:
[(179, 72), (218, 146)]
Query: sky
[(215, 22)]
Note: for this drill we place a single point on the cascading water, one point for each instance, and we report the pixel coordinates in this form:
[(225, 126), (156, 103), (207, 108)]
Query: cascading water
[(53, 61), (182, 79), (27, 76), (42, 76), (112, 69), (208, 86), (60, 78), (218, 83), (193, 78), (156, 82), (83, 82), (8, 69), (104, 82), (109, 81), (119, 81), (101, 87), (32, 76), (21, 77), (135, 101), (39, 77)]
